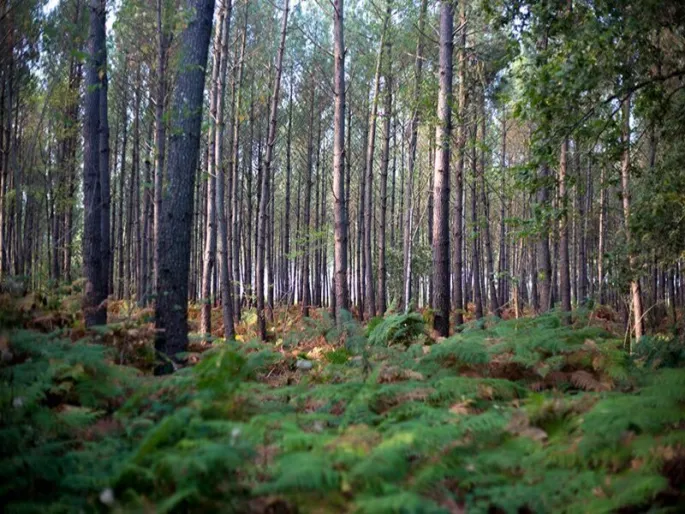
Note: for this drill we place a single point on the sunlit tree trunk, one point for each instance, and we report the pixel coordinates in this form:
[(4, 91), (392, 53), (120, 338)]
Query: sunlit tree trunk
[(635, 292), (441, 181)]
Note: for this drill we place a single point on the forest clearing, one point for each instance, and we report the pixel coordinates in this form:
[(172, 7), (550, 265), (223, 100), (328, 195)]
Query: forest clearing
[(371, 256)]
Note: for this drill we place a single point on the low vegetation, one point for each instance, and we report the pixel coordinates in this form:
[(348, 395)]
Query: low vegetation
[(524, 415)]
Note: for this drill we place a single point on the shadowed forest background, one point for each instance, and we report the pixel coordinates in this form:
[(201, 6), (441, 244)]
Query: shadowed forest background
[(327, 256)]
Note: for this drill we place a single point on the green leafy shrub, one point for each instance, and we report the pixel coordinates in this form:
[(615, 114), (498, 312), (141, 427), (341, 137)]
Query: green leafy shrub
[(395, 329)]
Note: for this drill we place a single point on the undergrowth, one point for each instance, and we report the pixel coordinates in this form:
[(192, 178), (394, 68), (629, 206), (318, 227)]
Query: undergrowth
[(528, 415)]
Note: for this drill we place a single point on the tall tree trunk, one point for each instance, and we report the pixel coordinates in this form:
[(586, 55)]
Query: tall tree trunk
[(635, 292), (361, 219), (286, 267), (601, 235), (370, 300), (487, 239), (543, 253), (94, 310), (381, 296), (458, 271), (441, 180), (304, 277), (212, 161), (409, 187), (266, 176), (475, 252), (106, 251), (223, 218), (564, 275), (237, 186), (339, 207), (583, 215), (163, 40), (122, 177), (184, 145), (316, 295), (503, 264)]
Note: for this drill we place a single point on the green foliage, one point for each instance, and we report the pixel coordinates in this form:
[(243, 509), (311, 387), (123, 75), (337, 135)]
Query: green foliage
[(395, 329), (462, 424)]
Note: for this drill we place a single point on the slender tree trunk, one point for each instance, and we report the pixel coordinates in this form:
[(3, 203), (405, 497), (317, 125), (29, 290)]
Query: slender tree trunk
[(635, 292), (370, 299), (601, 236), (475, 252), (176, 222), (287, 259), (339, 207), (543, 251), (409, 187), (163, 40), (564, 276), (266, 176), (307, 229), (223, 170), (237, 185), (211, 228), (316, 296), (487, 239), (583, 214), (441, 181), (458, 271), (361, 219), (382, 300)]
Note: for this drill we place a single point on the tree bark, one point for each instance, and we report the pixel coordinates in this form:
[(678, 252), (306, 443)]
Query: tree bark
[(441, 181), (304, 277), (382, 300), (458, 271), (163, 41), (564, 272), (339, 207), (184, 145), (223, 218), (266, 177), (211, 229), (370, 299), (409, 187), (94, 130), (635, 292)]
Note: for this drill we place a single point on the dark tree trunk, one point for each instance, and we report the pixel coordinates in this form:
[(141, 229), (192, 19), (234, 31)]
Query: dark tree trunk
[(176, 223), (94, 130), (564, 276), (163, 41)]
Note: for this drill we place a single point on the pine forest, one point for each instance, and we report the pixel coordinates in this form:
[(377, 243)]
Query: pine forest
[(342, 256)]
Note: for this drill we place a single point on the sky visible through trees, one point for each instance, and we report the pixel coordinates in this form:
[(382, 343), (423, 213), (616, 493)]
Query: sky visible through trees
[(452, 209), (535, 212)]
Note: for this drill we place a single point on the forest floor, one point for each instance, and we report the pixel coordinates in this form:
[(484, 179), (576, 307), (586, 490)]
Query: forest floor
[(519, 415)]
